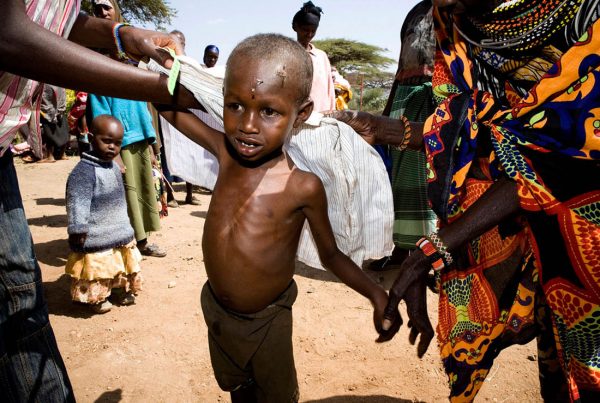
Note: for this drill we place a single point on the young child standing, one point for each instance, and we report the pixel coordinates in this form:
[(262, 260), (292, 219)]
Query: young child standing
[(259, 206), (104, 255)]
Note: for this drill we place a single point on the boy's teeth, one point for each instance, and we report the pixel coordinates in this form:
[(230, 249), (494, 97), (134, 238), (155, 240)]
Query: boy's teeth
[(247, 144)]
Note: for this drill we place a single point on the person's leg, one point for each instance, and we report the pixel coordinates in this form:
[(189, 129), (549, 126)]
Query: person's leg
[(31, 368), (189, 196)]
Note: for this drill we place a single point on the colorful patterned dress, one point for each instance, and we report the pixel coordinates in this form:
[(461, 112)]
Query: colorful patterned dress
[(531, 113)]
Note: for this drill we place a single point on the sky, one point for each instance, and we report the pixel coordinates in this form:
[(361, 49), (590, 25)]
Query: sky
[(226, 22)]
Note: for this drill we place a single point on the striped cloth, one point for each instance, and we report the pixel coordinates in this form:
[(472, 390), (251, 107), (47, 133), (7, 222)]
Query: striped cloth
[(188, 160), (19, 97), (360, 202), (413, 218)]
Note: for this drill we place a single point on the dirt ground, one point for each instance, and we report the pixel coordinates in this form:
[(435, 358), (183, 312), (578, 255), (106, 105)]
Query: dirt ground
[(156, 350)]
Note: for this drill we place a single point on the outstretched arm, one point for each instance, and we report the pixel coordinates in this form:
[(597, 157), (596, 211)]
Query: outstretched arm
[(497, 204), (381, 129), (331, 257), (194, 128), (32, 51)]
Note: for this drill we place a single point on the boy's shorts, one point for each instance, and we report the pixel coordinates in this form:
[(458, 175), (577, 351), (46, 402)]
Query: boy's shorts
[(253, 349)]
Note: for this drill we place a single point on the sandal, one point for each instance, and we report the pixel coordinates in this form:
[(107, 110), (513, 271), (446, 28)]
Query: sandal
[(173, 203), (102, 307), (152, 249), (128, 299)]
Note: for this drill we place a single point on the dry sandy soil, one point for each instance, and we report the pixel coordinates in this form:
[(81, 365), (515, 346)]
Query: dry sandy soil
[(156, 350)]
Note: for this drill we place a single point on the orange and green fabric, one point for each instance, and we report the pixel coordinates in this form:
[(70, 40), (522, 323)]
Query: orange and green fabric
[(539, 124)]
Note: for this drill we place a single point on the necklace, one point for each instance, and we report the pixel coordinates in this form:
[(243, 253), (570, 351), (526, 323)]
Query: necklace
[(521, 25)]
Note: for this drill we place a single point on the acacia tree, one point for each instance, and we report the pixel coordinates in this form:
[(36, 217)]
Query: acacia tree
[(352, 57), (361, 63), (155, 12)]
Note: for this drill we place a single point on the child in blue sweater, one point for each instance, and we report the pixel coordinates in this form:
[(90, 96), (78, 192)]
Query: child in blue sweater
[(104, 255)]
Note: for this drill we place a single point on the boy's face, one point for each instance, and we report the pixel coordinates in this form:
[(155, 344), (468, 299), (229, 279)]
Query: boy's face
[(260, 107), (106, 139), (210, 57)]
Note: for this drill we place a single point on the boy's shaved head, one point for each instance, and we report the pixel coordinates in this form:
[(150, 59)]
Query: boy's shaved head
[(296, 66), (102, 122)]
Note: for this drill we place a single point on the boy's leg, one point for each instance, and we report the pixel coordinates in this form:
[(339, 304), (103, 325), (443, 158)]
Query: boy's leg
[(31, 368), (273, 364)]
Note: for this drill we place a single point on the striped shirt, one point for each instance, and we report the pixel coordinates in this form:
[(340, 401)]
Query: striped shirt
[(359, 196), (20, 98)]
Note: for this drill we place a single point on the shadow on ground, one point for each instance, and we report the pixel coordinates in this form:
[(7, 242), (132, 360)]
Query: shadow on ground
[(56, 221), (199, 214), (361, 399), (50, 201), (53, 253), (112, 396), (58, 297)]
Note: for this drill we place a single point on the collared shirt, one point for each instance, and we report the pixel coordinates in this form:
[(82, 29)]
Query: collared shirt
[(322, 92), (20, 97)]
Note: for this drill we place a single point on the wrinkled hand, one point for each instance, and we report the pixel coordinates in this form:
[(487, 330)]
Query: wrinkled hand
[(140, 43), (411, 287), (363, 123), (77, 239), (373, 129)]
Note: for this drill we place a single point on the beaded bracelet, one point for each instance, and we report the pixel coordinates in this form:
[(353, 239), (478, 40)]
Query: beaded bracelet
[(407, 134), (435, 258), (121, 54), (442, 249)]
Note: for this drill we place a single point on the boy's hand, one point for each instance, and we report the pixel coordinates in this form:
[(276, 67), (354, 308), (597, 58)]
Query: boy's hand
[(77, 239), (379, 301), (411, 287)]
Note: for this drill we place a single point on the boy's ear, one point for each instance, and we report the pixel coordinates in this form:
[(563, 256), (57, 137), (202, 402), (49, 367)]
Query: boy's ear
[(304, 112)]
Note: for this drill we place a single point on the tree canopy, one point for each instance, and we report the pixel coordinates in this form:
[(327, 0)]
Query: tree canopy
[(356, 57), (155, 12)]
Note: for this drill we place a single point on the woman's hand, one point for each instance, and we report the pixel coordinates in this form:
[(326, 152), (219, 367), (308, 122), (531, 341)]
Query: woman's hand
[(410, 286), (140, 43), (381, 129)]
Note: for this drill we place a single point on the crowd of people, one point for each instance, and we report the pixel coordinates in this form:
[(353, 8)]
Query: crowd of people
[(493, 200)]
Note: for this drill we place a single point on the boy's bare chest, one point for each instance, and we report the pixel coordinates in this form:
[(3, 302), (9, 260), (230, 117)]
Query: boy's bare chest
[(253, 205)]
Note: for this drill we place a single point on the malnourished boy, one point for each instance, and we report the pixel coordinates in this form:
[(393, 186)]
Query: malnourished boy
[(259, 205)]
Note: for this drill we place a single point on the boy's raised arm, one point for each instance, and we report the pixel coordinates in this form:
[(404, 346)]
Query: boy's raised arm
[(194, 128), (331, 257)]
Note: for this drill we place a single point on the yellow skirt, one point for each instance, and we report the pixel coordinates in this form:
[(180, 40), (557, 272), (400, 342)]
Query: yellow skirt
[(94, 275)]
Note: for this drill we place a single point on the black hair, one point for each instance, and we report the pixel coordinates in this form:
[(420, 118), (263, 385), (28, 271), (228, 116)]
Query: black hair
[(279, 48), (211, 47), (307, 14)]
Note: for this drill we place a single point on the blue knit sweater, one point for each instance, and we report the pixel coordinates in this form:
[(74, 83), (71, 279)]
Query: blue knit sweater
[(96, 205), (133, 115)]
